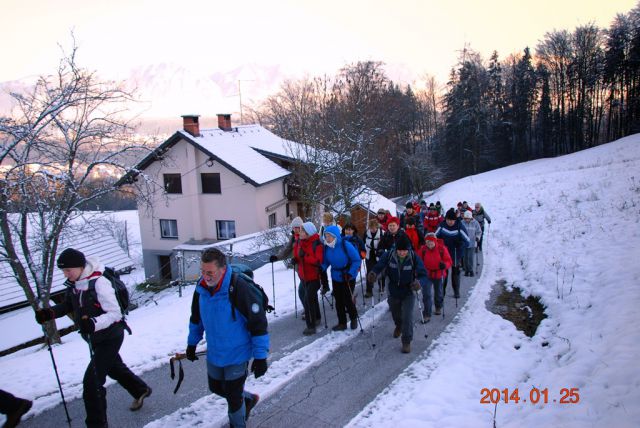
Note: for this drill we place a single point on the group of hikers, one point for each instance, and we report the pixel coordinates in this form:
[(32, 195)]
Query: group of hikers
[(419, 251)]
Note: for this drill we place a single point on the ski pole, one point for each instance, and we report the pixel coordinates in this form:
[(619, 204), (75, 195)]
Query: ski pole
[(364, 303), (373, 324), (324, 312), (354, 305), (273, 291), (444, 275), (53, 361), (424, 323), (295, 295)]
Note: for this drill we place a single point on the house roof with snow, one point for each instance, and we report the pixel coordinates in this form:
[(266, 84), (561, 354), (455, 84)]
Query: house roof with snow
[(371, 200), (81, 235), (245, 150)]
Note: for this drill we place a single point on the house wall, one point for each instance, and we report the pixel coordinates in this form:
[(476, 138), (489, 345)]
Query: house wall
[(196, 213)]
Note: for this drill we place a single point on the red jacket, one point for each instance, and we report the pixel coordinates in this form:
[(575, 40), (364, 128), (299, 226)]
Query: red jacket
[(415, 237), (432, 258), (308, 254), (431, 221)]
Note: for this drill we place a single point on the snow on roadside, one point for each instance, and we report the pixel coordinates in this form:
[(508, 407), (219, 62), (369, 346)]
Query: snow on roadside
[(564, 229)]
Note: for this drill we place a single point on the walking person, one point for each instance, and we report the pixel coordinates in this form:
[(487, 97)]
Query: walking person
[(410, 212), (481, 215), (92, 300), (383, 218), (13, 407), (327, 220), (436, 261), (309, 253), (372, 238), (475, 232), (415, 235), (432, 219), (455, 237), (344, 260), (287, 253), (236, 333), (405, 274)]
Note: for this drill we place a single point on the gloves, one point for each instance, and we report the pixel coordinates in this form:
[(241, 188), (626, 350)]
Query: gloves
[(489, 221), (191, 351), (416, 285), (87, 325), (372, 277), (44, 315), (273, 258), (442, 266), (259, 367)]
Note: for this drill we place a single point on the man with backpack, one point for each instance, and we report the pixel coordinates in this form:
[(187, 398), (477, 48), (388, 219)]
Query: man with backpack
[(437, 260), (92, 300), (406, 274), (455, 237), (236, 333)]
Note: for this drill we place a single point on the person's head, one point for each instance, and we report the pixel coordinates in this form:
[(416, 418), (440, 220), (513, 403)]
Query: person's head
[(403, 245), (423, 204), (459, 205), (409, 207), (468, 216), (72, 263), (327, 219), (478, 206), (465, 204), (296, 225), (373, 224), (450, 217), (393, 225), (430, 240), (213, 265), (308, 229), (382, 213), (438, 204), (350, 229), (331, 234)]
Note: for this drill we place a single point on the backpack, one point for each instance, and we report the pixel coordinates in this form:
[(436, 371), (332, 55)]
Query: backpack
[(121, 291), (244, 272)]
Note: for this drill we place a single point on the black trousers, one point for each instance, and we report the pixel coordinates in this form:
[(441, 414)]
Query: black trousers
[(343, 293), (310, 301), (106, 361), (455, 281), (9, 403)]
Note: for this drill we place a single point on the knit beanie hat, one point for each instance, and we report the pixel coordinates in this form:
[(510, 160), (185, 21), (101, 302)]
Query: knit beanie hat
[(431, 237), (451, 214), (309, 228), (394, 220), (296, 222), (71, 258), (467, 214), (403, 243), (409, 205)]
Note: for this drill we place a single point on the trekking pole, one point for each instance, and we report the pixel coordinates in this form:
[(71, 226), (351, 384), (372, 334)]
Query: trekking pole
[(53, 361), (179, 357), (95, 371), (364, 303), (373, 324), (295, 295), (324, 312), (357, 314), (424, 323), (273, 291), (444, 275)]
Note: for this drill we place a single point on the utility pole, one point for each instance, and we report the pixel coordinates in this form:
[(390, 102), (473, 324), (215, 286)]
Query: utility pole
[(240, 96)]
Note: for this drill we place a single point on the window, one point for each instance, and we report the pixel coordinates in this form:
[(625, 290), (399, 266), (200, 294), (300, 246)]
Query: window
[(172, 183), (272, 220), (226, 229), (169, 229), (210, 182)]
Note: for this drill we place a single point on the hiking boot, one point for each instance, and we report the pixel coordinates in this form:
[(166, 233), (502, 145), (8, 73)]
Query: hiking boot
[(339, 327), (138, 402), (13, 418), (471, 273), (250, 403), (397, 332), (466, 273), (425, 319), (354, 323), (406, 348), (438, 311), (309, 331)]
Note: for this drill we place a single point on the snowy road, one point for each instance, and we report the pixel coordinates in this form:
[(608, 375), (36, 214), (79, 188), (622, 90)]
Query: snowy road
[(328, 392)]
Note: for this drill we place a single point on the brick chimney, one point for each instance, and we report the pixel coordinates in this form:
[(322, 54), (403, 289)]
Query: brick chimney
[(224, 122), (190, 124)]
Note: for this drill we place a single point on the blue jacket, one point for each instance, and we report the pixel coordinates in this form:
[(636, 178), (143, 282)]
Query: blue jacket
[(338, 259), (401, 274), (455, 237), (229, 341)]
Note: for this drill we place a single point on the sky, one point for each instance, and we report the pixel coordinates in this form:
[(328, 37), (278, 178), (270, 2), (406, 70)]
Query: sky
[(413, 37)]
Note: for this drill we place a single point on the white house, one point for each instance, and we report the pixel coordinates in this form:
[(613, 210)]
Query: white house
[(217, 183)]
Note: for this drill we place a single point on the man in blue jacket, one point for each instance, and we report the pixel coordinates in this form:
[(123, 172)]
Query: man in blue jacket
[(406, 274), (455, 236), (235, 333)]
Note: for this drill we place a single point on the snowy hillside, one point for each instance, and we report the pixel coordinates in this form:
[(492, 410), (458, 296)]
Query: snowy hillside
[(567, 230), (564, 229)]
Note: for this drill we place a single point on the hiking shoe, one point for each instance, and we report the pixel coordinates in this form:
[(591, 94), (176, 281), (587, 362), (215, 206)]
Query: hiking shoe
[(138, 402), (13, 418), (354, 323), (425, 319), (471, 273), (438, 311), (397, 332), (339, 327), (309, 331), (250, 403), (406, 348)]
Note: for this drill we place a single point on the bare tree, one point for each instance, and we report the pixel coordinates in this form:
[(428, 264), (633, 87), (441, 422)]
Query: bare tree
[(67, 129)]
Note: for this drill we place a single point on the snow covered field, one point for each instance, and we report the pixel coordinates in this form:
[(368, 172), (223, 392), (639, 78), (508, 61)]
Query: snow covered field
[(564, 229)]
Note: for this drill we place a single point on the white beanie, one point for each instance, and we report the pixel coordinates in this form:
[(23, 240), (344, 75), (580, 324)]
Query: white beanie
[(467, 214), (310, 228), (296, 222)]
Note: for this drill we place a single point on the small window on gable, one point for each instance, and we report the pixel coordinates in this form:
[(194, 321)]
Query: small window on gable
[(272, 220), (172, 183), (210, 182)]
